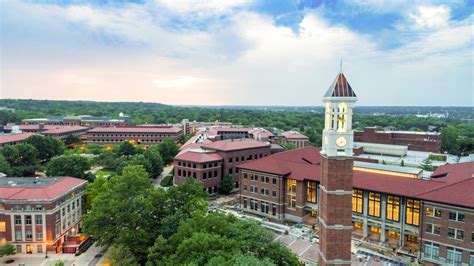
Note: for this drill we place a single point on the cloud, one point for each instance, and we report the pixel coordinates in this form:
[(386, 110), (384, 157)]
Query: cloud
[(430, 16), (130, 52)]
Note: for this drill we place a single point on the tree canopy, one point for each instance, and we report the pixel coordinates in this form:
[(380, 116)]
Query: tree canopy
[(68, 165), (47, 147)]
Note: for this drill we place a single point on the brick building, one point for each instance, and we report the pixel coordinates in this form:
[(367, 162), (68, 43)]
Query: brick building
[(40, 214), (82, 120), (210, 161), (13, 139), (387, 204), (57, 132), (416, 141), (296, 139), (145, 135)]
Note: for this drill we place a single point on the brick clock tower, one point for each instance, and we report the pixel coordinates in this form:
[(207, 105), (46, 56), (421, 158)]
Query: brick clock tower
[(335, 213)]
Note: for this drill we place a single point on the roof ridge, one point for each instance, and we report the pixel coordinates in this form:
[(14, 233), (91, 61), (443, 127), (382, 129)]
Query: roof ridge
[(446, 186)]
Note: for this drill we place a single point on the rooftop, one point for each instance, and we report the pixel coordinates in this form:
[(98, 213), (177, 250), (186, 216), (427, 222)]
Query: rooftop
[(293, 135), (450, 183), (340, 88), (136, 129), (14, 137), (32, 188), (238, 144), (198, 156)]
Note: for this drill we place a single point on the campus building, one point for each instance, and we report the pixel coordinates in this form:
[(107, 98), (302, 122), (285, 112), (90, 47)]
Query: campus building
[(389, 208), (416, 141), (82, 120), (145, 135), (294, 138), (13, 139), (57, 132), (209, 161), (41, 214)]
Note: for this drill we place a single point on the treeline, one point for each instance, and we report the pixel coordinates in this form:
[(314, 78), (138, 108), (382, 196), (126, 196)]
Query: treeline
[(458, 141)]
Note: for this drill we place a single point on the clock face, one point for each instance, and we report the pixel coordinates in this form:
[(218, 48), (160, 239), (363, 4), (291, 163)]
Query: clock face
[(341, 142)]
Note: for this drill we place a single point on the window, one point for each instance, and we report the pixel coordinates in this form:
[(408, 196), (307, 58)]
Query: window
[(244, 175), (456, 233), (311, 192), (274, 193), (17, 220), (393, 208), (38, 207), (274, 181), (431, 251), (38, 219), (413, 212), (18, 235), (245, 203), (433, 212), (253, 204), (357, 200), (291, 193), (471, 259), (433, 229), (18, 248), (27, 219), (3, 227), (39, 235), (39, 248), (456, 216), (245, 187), (29, 235), (264, 207), (230, 170), (374, 204), (472, 237), (454, 256), (274, 209)]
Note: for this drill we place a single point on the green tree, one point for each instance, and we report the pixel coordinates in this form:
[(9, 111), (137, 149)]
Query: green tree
[(5, 166), (127, 149), (120, 255), (450, 135), (7, 250), (72, 139), (168, 150), (288, 146), (227, 184), (127, 212), (427, 165), (155, 162), (94, 189), (47, 147), (68, 165), (22, 159)]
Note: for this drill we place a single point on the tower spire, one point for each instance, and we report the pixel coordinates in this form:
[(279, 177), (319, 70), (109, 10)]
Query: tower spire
[(341, 66)]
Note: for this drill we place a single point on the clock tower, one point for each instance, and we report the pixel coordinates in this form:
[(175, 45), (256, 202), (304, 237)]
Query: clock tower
[(335, 204)]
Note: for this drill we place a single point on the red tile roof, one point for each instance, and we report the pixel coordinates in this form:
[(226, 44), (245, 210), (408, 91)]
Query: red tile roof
[(450, 184), (136, 129), (14, 137), (293, 135), (231, 145), (198, 157), (64, 129), (340, 88), (42, 192)]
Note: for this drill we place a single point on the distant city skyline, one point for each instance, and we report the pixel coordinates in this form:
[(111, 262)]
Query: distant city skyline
[(250, 53)]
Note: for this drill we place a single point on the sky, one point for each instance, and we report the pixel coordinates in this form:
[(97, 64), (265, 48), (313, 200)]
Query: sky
[(240, 52)]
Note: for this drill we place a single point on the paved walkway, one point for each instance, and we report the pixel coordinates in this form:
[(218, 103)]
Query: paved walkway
[(166, 170), (87, 258)]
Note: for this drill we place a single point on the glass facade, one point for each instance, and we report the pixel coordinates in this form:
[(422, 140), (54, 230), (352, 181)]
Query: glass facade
[(393, 208), (374, 204), (311, 192), (291, 193), (412, 212), (357, 201)]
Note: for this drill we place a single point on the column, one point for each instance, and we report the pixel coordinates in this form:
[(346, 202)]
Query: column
[(383, 215)]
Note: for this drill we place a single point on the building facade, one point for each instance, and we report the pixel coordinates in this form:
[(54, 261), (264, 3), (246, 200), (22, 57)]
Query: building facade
[(40, 214), (145, 135), (296, 139), (416, 141), (13, 139), (211, 161), (57, 132), (83, 120)]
